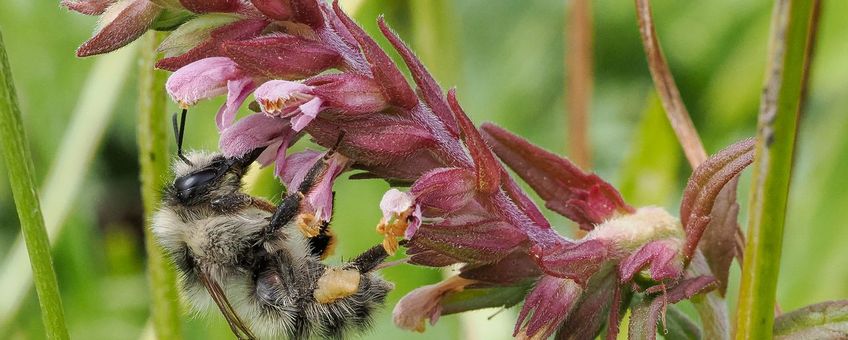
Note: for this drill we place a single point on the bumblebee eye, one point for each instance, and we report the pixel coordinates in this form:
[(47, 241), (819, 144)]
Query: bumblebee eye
[(185, 185)]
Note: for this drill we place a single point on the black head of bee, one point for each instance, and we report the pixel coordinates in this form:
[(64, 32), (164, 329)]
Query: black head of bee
[(201, 176)]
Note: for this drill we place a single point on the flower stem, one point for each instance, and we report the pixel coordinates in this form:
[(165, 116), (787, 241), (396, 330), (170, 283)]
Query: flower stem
[(20, 169), (578, 93), (776, 131), (152, 133), (672, 102)]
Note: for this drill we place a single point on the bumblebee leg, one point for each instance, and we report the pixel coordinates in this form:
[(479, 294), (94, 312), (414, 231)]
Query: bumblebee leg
[(369, 259), (285, 212), (231, 203), (289, 208)]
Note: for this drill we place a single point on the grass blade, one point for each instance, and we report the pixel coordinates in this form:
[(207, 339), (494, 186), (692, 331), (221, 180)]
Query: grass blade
[(20, 169), (776, 131), (152, 130), (91, 117)]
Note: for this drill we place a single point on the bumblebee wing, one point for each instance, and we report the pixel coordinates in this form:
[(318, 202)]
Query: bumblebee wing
[(238, 327)]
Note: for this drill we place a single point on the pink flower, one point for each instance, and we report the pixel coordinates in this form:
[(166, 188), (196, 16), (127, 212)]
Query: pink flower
[(320, 198), (253, 132), (424, 303), (288, 99), (401, 218), (347, 94), (211, 77)]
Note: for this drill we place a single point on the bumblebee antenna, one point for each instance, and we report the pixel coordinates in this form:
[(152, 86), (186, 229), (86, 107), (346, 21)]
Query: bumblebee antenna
[(179, 132)]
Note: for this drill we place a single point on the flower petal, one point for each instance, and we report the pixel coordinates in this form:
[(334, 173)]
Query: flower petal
[(424, 303), (202, 79), (297, 165), (279, 97), (252, 132), (351, 94), (382, 67), (308, 112), (704, 185), (430, 90), (237, 92), (274, 9), (395, 202), (574, 261)]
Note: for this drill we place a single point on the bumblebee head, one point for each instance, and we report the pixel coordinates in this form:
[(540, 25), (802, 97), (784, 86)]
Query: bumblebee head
[(200, 176)]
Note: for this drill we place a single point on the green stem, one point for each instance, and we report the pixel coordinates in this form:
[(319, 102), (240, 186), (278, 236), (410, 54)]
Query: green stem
[(20, 169), (776, 131), (66, 176), (153, 160)]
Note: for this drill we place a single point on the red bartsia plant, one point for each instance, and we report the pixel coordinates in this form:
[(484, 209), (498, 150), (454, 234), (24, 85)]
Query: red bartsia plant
[(312, 70)]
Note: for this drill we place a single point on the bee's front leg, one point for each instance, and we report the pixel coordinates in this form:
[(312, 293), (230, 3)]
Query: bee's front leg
[(231, 203), (290, 208)]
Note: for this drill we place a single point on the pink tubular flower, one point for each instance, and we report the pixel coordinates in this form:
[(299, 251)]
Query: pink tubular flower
[(288, 99), (253, 132), (320, 199), (347, 94), (401, 218), (424, 303), (211, 77)]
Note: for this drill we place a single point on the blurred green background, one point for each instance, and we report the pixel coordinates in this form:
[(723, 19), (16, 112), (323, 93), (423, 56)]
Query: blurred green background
[(506, 58)]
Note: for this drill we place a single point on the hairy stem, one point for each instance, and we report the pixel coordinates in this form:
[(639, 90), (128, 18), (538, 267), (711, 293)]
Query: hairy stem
[(791, 30), (152, 133), (21, 177)]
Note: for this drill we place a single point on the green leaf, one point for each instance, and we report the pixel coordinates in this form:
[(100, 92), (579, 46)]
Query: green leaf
[(171, 19), (479, 298), (21, 173), (679, 326), (826, 320), (193, 32)]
